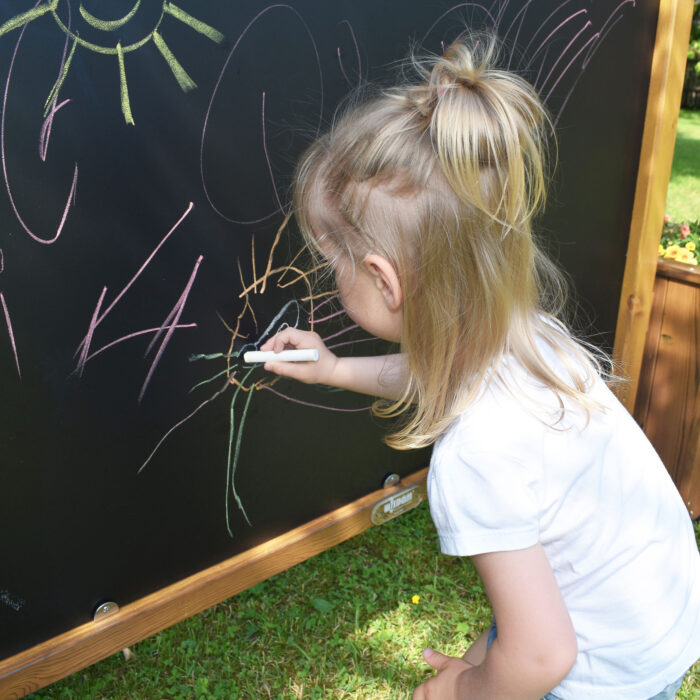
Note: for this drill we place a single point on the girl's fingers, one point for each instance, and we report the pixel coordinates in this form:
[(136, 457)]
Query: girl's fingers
[(305, 372), (287, 369), (291, 338)]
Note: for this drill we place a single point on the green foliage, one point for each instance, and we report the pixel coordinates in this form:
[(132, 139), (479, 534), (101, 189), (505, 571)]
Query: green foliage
[(680, 241), (692, 70), (683, 197)]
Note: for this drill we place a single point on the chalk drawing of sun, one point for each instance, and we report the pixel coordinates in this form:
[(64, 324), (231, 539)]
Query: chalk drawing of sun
[(110, 31)]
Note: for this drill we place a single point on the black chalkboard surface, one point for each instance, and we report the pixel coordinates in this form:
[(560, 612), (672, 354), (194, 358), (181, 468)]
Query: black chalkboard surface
[(146, 151)]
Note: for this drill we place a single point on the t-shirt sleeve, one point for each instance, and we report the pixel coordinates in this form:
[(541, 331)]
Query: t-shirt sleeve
[(483, 502)]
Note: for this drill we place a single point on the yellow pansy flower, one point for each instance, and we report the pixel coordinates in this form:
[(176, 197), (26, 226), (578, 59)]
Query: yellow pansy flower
[(685, 256), (662, 250), (673, 251), (690, 245)]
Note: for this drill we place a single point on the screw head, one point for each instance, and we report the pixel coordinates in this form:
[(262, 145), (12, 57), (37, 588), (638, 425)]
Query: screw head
[(391, 480)]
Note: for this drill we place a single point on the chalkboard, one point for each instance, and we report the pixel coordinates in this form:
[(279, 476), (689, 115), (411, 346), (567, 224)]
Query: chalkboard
[(146, 152)]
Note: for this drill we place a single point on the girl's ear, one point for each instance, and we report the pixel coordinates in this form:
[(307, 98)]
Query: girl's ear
[(386, 280)]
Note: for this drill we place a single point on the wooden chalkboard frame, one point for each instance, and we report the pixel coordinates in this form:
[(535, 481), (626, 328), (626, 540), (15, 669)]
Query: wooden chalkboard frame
[(656, 157), (84, 645), (93, 641)]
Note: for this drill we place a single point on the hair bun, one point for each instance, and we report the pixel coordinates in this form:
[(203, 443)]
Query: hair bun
[(462, 65)]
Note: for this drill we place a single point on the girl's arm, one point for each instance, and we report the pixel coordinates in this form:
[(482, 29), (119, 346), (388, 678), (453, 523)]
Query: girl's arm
[(384, 375), (535, 647)]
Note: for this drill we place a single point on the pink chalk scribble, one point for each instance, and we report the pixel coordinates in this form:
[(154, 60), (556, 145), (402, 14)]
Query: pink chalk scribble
[(174, 315), (569, 64), (340, 332), (46, 127), (342, 68), (267, 159), (71, 194), (267, 387), (45, 133), (8, 322), (325, 318), (91, 329), (544, 56), (280, 208), (554, 31), (165, 330), (136, 334), (357, 48)]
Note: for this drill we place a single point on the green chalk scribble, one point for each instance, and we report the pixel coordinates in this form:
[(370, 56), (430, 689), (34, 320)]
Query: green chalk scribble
[(211, 379), (232, 459), (53, 95)]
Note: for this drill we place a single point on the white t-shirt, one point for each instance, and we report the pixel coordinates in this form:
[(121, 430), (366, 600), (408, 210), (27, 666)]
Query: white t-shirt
[(614, 528)]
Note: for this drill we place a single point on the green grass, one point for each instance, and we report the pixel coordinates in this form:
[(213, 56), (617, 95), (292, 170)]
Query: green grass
[(683, 198), (341, 625)]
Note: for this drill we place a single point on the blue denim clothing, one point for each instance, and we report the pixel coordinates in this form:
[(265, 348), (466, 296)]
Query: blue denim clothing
[(668, 693)]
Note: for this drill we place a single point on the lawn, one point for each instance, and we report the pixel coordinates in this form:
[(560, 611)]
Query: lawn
[(344, 624), (683, 198), (341, 625)]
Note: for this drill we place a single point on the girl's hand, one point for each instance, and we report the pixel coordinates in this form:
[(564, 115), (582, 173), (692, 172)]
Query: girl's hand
[(319, 372), (446, 684), (381, 375)]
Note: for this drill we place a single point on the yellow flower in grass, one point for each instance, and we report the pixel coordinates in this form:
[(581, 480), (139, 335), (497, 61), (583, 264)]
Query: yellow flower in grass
[(690, 245), (673, 251), (415, 600)]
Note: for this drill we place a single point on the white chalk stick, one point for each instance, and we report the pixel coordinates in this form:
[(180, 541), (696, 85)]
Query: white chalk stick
[(284, 356)]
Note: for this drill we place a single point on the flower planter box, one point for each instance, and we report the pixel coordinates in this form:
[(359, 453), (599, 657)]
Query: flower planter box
[(668, 400)]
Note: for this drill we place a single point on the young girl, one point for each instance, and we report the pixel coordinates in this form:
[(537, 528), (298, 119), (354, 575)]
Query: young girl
[(422, 201)]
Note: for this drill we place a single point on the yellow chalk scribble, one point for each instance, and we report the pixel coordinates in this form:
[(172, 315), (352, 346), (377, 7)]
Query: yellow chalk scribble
[(106, 25), (115, 48)]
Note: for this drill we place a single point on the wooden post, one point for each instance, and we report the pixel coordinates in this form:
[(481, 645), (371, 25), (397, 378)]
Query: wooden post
[(668, 399), (660, 122)]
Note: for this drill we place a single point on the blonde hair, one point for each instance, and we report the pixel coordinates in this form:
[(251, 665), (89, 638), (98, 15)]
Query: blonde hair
[(443, 176)]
